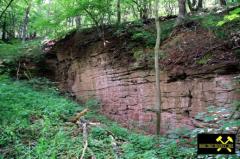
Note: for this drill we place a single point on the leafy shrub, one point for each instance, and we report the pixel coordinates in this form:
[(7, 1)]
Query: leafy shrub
[(233, 16), (12, 57), (17, 49), (144, 36)]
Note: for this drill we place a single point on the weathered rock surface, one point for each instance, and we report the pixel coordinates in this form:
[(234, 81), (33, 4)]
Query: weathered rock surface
[(127, 91)]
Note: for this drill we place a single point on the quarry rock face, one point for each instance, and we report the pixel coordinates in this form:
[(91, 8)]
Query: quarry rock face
[(127, 94), (89, 68)]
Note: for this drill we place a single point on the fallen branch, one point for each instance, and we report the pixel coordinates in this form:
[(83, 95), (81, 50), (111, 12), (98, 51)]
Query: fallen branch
[(92, 154), (201, 124), (115, 147), (84, 150), (235, 48), (84, 125), (81, 122), (77, 117), (27, 73), (18, 69)]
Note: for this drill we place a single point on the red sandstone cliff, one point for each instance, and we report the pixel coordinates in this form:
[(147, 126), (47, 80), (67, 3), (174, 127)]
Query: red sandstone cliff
[(88, 67)]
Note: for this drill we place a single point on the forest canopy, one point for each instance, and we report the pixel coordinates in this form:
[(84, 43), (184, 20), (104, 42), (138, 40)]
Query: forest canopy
[(27, 19)]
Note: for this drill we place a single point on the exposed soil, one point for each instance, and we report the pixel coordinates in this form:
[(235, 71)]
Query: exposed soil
[(190, 51), (194, 51)]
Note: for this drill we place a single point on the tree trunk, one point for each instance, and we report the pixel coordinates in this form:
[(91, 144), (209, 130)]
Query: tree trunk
[(223, 2), (4, 29), (191, 5), (157, 70), (118, 12), (195, 5), (200, 4), (13, 20), (78, 22), (150, 9), (182, 11), (25, 21), (72, 21), (144, 10)]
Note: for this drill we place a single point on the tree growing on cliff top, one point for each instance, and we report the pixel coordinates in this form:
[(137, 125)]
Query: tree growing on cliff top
[(182, 11), (157, 70)]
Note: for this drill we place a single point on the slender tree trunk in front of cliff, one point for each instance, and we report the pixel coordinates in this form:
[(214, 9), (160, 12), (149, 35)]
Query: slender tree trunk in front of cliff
[(157, 70)]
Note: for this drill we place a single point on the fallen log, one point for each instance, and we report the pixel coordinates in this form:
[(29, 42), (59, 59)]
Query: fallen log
[(77, 117)]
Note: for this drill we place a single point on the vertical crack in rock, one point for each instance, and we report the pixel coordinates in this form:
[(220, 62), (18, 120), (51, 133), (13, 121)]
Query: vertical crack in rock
[(189, 105)]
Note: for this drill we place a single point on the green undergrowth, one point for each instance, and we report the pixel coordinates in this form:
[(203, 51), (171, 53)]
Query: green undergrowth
[(144, 35), (221, 25), (148, 36), (33, 125), (16, 49), (15, 54)]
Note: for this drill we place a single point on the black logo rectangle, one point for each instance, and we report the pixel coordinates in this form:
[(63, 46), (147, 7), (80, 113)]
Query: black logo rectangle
[(216, 143)]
